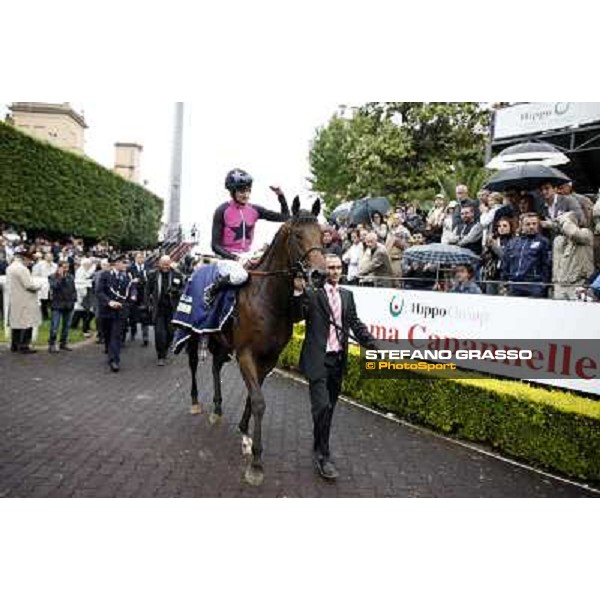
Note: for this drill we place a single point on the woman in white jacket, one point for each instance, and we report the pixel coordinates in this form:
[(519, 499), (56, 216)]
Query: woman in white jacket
[(84, 283)]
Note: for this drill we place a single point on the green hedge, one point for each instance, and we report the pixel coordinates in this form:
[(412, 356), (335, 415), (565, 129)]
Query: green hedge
[(48, 189), (547, 428)]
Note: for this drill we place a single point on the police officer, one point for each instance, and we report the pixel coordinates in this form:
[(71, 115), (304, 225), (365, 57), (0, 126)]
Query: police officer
[(115, 290)]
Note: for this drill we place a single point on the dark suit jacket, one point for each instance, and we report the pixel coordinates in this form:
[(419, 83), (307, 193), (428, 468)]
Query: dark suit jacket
[(168, 299), (313, 307), (141, 274)]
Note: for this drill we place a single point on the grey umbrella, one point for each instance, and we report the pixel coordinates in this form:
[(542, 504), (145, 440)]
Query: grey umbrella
[(341, 212), (442, 255)]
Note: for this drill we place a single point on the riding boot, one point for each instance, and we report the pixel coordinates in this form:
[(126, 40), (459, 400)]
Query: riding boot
[(212, 291)]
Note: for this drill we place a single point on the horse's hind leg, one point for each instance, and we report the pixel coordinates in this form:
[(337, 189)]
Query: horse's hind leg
[(193, 361), (219, 359)]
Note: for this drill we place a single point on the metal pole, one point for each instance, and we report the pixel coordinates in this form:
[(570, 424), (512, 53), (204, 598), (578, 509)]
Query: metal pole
[(174, 219)]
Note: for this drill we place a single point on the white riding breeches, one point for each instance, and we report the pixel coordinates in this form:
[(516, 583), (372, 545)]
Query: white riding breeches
[(237, 274)]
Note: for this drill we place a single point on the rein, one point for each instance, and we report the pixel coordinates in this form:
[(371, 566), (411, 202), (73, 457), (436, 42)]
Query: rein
[(296, 267)]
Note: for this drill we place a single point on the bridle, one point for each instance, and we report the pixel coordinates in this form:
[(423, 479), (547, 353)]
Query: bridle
[(296, 268)]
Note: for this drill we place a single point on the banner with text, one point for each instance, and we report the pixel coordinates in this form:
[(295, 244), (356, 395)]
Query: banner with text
[(432, 320), (535, 117)]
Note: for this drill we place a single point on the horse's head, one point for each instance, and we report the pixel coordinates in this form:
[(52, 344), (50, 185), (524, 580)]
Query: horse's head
[(305, 244)]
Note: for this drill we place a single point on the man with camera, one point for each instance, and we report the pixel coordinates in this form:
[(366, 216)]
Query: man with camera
[(164, 287)]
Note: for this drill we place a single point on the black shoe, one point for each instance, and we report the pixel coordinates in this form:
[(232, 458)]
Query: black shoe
[(28, 351), (114, 367), (326, 469), (145, 343), (66, 348)]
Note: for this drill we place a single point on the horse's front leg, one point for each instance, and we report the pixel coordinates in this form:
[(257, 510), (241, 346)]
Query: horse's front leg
[(244, 428), (252, 377), (193, 361)]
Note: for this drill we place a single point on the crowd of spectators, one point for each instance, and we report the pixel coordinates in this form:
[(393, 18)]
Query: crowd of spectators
[(64, 274), (540, 244)]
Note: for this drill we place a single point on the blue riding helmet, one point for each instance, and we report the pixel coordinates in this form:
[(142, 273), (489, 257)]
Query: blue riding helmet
[(238, 180)]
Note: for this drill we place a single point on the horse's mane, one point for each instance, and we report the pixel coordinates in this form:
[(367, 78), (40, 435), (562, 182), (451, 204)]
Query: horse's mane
[(304, 217)]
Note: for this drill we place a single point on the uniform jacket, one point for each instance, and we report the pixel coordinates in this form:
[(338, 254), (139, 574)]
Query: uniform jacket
[(112, 286)]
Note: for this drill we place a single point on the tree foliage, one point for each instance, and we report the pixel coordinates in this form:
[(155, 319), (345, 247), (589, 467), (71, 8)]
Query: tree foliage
[(45, 188), (396, 149)]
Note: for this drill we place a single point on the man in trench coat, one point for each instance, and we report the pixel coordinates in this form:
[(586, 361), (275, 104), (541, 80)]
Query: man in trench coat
[(24, 311)]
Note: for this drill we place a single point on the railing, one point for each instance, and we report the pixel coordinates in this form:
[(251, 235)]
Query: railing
[(488, 287)]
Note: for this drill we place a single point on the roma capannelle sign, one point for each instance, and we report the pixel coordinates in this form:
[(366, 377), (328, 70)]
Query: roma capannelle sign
[(537, 117), (420, 317)]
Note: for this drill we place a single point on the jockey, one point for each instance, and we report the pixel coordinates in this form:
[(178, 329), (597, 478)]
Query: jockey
[(233, 231)]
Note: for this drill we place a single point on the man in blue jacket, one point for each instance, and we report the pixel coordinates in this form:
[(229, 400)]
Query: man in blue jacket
[(527, 261)]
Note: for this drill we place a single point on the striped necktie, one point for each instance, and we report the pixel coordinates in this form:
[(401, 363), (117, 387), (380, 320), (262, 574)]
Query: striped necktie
[(333, 343)]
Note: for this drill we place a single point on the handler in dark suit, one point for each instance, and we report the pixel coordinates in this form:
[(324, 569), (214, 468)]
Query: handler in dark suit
[(165, 285), (114, 292), (325, 352)]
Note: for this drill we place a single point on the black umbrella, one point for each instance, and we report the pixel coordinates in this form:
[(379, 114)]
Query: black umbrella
[(363, 209), (525, 177)]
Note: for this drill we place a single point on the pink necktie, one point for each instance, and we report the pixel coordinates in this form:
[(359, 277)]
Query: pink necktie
[(334, 301)]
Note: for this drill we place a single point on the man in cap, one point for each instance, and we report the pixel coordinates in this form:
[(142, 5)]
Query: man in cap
[(24, 311), (114, 291)]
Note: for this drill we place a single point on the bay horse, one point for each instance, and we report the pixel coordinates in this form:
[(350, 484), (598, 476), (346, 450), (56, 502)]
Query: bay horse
[(263, 325)]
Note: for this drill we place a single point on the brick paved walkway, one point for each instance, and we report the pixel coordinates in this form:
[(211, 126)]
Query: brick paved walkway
[(68, 427)]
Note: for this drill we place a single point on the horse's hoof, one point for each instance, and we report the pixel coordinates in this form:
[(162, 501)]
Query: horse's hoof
[(215, 419), (196, 409), (254, 477), (246, 446)]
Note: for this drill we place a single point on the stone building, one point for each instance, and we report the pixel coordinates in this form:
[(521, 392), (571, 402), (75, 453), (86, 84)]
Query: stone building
[(58, 124), (128, 161)]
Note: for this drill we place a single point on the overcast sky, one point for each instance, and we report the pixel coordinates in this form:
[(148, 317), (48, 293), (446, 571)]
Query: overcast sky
[(265, 135)]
